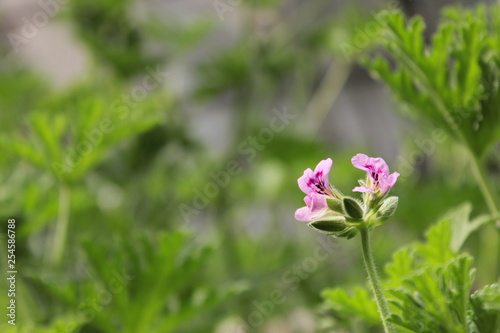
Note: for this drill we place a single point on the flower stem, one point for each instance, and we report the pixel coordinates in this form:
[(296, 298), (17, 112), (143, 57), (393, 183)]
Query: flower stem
[(375, 281)]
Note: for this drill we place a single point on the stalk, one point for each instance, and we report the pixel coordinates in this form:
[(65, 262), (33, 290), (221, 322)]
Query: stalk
[(60, 235), (485, 185), (371, 269), (488, 238)]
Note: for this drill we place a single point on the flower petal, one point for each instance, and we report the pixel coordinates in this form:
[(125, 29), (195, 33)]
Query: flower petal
[(360, 161), (316, 207), (363, 189), (378, 164), (316, 202), (304, 181), (322, 170), (391, 180), (387, 182), (304, 214)]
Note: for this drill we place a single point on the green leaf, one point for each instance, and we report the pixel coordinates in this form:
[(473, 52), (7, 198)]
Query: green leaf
[(453, 83), (401, 266), (24, 150), (486, 309), (49, 132), (437, 250), (462, 226), (358, 303), (434, 299)]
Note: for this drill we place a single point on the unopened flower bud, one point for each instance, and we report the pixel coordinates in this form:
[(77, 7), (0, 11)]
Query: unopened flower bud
[(387, 208), (352, 208), (335, 205), (330, 224)]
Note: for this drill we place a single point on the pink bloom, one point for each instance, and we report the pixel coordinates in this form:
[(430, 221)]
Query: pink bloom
[(317, 187), (315, 209), (378, 174), (317, 181)]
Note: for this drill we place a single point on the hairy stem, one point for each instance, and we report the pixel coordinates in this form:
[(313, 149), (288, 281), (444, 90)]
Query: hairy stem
[(375, 281)]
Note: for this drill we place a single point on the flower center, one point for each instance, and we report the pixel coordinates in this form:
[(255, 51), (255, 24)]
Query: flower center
[(375, 176), (317, 184)]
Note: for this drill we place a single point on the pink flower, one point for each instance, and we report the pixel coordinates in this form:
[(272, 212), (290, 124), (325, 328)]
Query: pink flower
[(317, 187), (378, 174), (317, 181)]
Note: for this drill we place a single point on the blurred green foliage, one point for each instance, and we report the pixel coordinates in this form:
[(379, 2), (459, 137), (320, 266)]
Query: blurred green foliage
[(95, 182), (454, 83)]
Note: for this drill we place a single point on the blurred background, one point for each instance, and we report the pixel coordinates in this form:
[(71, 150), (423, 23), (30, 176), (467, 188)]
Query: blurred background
[(151, 150)]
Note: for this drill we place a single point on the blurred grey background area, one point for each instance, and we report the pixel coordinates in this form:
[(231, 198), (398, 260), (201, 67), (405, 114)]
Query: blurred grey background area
[(350, 110)]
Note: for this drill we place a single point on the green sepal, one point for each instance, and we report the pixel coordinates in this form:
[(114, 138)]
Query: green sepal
[(329, 224), (335, 205), (352, 208), (352, 233), (349, 233), (387, 208)]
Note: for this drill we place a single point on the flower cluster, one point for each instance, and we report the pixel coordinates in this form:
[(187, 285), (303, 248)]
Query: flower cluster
[(329, 211)]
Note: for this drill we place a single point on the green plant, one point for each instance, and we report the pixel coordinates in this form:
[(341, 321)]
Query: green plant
[(452, 84), (428, 285), (143, 284)]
